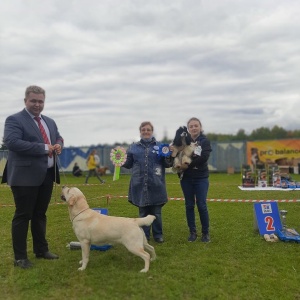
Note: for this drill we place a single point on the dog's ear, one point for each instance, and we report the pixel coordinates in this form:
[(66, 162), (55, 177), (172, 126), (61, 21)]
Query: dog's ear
[(71, 197), (186, 135), (177, 140)]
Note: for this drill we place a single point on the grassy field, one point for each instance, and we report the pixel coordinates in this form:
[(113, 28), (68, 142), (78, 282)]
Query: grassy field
[(237, 264)]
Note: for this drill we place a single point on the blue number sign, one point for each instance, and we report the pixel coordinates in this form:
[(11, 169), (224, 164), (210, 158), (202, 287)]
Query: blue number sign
[(267, 217)]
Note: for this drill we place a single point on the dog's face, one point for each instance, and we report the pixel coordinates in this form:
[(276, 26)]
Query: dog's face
[(71, 195), (182, 137), (254, 151)]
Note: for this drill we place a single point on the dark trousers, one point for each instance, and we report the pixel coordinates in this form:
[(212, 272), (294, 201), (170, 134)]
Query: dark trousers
[(195, 192), (31, 205), (154, 210)]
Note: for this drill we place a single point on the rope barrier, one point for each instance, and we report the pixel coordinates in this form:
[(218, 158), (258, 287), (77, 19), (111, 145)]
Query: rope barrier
[(109, 197)]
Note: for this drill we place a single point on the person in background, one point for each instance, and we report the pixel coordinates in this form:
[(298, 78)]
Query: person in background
[(194, 182), (147, 188), (33, 141), (76, 170), (92, 165), (97, 160)]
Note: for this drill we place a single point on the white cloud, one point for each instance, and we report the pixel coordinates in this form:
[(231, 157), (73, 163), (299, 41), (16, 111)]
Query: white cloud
[(109, 65)]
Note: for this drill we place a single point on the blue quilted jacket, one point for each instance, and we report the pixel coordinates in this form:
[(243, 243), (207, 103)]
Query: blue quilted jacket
[(147, 184)]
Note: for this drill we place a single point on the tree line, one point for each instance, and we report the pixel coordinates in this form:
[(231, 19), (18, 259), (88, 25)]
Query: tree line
[(262, 133)]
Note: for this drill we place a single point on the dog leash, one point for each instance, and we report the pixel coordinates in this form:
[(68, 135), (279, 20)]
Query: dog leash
[(57, 161)]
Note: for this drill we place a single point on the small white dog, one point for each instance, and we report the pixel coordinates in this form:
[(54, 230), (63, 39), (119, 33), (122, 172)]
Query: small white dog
[(91, 227)]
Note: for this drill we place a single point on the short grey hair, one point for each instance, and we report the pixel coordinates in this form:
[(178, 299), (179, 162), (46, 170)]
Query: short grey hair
[(34, 89), (143, 124)]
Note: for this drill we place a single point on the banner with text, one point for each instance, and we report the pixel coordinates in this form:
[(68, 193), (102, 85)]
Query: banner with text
[(273, 151)]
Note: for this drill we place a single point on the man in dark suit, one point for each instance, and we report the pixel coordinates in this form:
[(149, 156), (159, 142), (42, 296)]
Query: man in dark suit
[(33, 142)]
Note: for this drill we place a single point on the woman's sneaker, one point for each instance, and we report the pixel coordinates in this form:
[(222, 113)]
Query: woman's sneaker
[(205, 238), (192, 237)]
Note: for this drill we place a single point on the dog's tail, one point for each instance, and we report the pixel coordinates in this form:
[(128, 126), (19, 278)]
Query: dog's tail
[(146, 221)]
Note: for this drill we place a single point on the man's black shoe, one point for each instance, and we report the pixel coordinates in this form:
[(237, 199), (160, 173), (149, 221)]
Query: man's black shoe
[(23, 263), (159, 240), (46, 255)]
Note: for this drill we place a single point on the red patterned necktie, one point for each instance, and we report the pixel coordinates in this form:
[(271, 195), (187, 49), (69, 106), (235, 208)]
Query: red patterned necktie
[(42, 130)]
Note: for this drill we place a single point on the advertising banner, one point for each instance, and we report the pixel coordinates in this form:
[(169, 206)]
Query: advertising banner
[(282, 152)]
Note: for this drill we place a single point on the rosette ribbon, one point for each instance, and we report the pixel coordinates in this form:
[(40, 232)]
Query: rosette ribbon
[(118, 157), (164, 150)]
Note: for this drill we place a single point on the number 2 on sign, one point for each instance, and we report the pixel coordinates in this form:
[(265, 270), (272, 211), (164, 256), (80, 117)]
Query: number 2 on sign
[(270, 221)]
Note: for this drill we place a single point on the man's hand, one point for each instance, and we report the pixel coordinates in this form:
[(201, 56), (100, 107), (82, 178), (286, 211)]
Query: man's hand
[(57, 149)]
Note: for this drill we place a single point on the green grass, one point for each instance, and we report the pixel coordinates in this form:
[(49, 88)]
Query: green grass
[(237, 264)]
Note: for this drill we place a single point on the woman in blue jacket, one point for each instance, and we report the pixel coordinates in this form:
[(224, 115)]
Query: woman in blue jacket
[(147, 188)]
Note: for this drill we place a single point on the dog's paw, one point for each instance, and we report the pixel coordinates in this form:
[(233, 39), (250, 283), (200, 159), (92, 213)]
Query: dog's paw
[(144, 271), (81, 269), (185, 165)]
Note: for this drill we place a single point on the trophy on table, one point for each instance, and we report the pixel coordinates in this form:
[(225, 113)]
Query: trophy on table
[(283, 214), (287, 234)]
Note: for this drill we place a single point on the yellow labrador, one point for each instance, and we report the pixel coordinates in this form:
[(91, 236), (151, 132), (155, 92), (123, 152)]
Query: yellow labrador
[(91, 227)]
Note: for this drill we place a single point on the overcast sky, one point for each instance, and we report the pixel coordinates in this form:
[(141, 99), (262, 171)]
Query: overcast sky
[(107, 66)]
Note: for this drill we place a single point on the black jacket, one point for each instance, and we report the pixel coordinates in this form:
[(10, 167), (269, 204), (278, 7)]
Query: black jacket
[(199, 167)]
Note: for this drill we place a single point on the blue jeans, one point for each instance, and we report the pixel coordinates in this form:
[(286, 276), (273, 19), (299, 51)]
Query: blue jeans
[(195, 191), (154, 210)]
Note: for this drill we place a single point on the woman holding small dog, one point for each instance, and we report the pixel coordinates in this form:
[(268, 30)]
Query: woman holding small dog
[(194, 181), (147, 188)]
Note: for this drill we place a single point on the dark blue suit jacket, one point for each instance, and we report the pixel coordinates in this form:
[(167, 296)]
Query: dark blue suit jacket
[(27, 159)]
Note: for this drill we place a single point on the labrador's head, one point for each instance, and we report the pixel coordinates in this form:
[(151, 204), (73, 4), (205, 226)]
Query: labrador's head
[(71, 195)]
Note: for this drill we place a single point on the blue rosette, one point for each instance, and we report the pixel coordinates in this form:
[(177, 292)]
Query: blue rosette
[(164, 150)]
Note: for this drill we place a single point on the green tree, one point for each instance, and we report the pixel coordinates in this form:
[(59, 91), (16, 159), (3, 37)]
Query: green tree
[(241, 135), (278, 132), (262, 133)]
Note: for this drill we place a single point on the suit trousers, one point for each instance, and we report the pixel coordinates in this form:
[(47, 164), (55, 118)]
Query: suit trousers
[(31, 206)]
